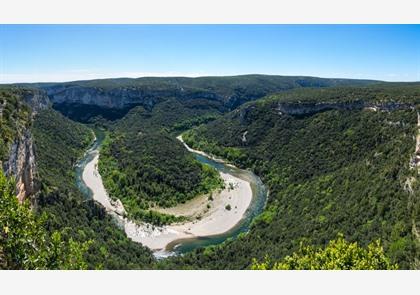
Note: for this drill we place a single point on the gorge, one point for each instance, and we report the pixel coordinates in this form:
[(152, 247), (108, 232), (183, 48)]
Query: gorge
[(335, 155)]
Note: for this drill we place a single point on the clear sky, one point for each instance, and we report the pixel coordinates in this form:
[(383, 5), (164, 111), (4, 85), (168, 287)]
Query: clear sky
[(32, 53)]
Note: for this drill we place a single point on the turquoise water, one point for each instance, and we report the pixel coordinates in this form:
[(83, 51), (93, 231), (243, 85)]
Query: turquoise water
[(80, 165), (259, 197)]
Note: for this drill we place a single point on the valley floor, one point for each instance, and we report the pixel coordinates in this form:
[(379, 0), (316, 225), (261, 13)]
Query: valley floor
[(209, 216)]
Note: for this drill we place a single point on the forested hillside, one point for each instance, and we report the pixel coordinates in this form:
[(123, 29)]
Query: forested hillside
[(330, 171), (228, 91), (144, 165), (59, 142)]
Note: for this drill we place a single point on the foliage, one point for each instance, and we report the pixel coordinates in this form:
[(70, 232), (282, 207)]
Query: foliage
[(15, 117), (153, 169), (327, 172), (24, 242), (228, 92), (59, 142), (378, 93), (337, 255), (58, 145), (193, 122)]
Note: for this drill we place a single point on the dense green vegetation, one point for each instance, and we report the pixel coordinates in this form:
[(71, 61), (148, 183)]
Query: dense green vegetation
[(24, 242), (328, 172), (171, 115), (381, 92), (15, 117), (153, 169), (67, 208), (192, 122), (337, 255), (162, 172), (64, 143)]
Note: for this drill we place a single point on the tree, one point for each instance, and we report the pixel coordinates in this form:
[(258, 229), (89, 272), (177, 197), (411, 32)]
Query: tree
[(25, 243), (338, 255)]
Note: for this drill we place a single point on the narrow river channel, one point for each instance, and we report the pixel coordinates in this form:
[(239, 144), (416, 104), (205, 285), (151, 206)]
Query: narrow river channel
[(183, 245)]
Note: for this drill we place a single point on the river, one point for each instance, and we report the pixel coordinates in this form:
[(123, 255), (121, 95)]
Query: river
[(144, 234)]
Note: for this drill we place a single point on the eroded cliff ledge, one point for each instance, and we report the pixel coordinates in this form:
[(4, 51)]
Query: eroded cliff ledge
[(21, 165)]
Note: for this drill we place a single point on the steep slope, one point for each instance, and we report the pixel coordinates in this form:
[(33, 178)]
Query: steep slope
[(18, 106), (335, 160), (58, 143)]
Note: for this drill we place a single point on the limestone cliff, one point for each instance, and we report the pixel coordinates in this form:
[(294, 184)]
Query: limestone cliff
[(20, 161), (121, 97), (36, 99), (21, 165)]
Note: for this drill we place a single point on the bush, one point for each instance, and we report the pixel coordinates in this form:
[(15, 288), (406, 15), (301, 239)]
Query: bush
[(337, 255)]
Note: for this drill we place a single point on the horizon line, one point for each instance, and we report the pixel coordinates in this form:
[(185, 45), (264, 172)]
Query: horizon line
[(192, 76)]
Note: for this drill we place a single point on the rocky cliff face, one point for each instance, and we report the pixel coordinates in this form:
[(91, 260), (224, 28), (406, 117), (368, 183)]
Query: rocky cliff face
[(37, 100), (120, 97), (21, 165), (21, 159)]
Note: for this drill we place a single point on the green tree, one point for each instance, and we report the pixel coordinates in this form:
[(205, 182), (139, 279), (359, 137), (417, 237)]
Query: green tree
[(337, 255), (24, 241)]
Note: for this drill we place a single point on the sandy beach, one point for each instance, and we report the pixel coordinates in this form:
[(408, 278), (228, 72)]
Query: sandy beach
[(208, 217)]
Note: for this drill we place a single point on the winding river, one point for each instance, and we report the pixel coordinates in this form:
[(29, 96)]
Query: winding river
[(184, 244)]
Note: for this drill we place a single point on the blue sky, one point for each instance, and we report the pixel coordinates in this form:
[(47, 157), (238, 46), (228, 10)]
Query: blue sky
[(32, 53)]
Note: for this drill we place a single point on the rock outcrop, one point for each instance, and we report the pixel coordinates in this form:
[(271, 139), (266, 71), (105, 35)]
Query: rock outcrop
[(415, 160), (21, 165), (37, 100), (121, 97)]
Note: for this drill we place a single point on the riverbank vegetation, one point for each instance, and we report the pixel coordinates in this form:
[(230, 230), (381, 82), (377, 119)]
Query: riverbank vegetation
[(153, 169), (65, 142)]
